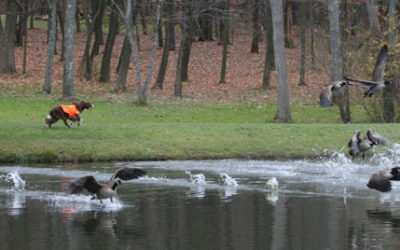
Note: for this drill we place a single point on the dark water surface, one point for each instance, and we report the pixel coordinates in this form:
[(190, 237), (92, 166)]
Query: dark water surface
[(204, 205)]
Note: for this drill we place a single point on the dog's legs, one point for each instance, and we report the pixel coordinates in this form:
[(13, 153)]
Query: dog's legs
[(66, 124)]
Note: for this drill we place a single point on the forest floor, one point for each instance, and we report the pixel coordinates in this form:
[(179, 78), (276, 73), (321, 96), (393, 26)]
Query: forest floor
[(244, 72)]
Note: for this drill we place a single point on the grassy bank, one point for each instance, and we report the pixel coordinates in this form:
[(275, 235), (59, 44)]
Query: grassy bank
[(123, 131)]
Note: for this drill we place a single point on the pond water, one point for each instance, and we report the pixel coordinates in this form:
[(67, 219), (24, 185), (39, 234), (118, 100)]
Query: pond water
[(228, 204)]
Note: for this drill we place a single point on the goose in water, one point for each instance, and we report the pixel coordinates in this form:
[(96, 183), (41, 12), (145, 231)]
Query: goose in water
[(378, 83), (107, 190), (325, 98), (358, 145), (381, 179)]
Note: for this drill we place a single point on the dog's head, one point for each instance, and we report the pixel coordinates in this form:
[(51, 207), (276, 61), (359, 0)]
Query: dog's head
[(83, 105)]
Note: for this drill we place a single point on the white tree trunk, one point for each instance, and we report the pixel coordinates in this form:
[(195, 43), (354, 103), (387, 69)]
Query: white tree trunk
[(282, 88)]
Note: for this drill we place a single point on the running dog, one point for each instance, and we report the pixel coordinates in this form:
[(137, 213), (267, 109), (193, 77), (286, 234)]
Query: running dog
[(68, 112)]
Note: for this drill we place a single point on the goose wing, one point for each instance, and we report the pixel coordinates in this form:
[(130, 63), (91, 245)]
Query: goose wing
[(355, 139), (380, 64), (128, 174), (325, 98), (88, 182), (365, 82), (375, 137), (381, 180), (353, 144)]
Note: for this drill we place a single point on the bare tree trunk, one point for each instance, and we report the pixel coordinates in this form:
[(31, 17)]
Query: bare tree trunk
[(51, 46), (288, 24), (225, 42), (164, 59), (303, 39), (98, 24), (312, 34), (112, 33), (142, 90), (61, 21), (170, 24), (77, 21), (68, 82), (123, 66), (85, 66), (256, 27), (337, 58), (160, 36), (7, 40), (141, 6), (373, 17), (282, 88), (185, 42), (269, 55), (392, 21)]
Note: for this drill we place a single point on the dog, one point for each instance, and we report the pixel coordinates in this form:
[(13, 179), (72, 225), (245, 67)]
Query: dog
[(68, 112)]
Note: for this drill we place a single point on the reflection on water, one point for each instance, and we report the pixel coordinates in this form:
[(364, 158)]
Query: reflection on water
[(205, 205)]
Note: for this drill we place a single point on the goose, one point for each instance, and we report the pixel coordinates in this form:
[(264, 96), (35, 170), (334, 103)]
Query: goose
[(107, 190), (358, 145), (325, 98), (378, 83), (381, 179)]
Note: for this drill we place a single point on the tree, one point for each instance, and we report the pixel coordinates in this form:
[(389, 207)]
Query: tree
[(51, 46), (98, 7), (256, 27), (373, 17), (184, 48), (168, 42), (282, 88), (303, 36), (123, 66), (112, 33), (7, 39), (269, 55), (225, 41), (337, 58), (68, 82), (142, 90)]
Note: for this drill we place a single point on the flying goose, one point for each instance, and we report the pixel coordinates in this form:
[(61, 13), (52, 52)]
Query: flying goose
[(325, 98), (381, 179), (107, 190), (378, 83), (358, 145)]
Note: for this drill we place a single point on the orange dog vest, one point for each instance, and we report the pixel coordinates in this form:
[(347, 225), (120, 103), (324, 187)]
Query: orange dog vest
[(71, 110)]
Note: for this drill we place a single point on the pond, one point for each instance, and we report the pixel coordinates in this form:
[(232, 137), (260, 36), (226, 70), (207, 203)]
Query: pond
[(226, 204)]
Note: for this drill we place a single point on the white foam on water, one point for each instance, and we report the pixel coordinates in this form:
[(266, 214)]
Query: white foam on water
[(198, 179), (228, 181), (19, 183), (272, 184)]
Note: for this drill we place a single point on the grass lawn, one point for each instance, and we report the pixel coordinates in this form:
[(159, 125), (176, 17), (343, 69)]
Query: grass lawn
[(124, 131)]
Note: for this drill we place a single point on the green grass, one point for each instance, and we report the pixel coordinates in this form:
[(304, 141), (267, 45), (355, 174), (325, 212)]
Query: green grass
[(124, 131)]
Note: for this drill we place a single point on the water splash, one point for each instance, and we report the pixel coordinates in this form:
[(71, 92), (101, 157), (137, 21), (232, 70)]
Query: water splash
[(228, 181), (199, 179), (272, 184), (19, 183)]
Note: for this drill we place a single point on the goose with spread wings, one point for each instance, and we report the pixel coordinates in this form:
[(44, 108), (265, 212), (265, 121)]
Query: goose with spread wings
[(378, 83), (107, 190), (325, 98), (360, 146), (381, 179)]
